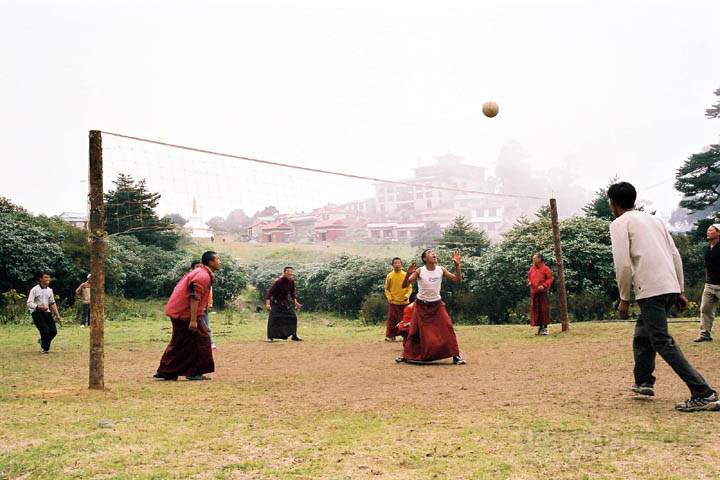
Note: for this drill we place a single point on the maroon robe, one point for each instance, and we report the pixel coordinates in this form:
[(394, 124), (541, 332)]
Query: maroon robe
[(539, 300), (189, 353), (394, 316), (430, 335), (282, 320)]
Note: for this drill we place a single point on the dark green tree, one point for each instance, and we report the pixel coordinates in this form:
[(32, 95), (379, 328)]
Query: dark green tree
[(6, 206), (699, 180), (714, 111), (699, 177), (177, 219), (599, 206), (463, 236), (131, 211)]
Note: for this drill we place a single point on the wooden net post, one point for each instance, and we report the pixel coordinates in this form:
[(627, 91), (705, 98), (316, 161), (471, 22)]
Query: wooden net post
[(562, 293), (97, 264)]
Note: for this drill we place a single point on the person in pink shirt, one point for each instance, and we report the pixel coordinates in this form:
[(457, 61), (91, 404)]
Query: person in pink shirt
[(189, 353)]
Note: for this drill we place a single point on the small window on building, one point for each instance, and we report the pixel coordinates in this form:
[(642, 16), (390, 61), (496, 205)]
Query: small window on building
[(429, 204)]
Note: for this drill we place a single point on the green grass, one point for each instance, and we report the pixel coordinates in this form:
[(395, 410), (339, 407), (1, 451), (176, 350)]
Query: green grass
[(336, 406)]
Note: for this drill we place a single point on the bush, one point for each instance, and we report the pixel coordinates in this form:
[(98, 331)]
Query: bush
[(118, 309), (14, 308), (338, 286), (29, 245), (373, 309), (591, 304), (229, 281)]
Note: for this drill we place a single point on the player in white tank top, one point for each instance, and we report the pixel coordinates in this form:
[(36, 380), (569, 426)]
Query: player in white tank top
[(429, 278), (429, 283)]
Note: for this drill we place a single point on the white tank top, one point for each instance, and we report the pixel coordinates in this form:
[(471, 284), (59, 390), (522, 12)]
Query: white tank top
[(429, 283)]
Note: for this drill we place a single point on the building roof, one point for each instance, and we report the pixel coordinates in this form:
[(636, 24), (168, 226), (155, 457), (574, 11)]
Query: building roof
[(410, 225), (258, 224), (331, 224), (276, 226), (74, 217), (382, 225), (301, 218)]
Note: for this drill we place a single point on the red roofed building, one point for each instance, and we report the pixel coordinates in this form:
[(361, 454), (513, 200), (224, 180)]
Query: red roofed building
[(275, 232), (330, 230)]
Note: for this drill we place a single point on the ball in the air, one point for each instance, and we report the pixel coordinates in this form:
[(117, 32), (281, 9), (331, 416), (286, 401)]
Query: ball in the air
[(490, 109)]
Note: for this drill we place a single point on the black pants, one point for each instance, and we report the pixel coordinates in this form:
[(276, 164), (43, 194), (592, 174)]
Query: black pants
[(651, 337), (85, 314), (45, 324)]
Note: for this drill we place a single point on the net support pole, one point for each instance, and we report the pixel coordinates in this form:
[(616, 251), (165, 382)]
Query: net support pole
[(562, 293), (97, 264)]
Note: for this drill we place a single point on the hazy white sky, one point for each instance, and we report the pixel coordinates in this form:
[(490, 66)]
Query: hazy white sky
[(359, 86)]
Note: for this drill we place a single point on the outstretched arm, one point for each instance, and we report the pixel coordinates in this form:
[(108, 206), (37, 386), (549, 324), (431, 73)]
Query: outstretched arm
[(457, 277)]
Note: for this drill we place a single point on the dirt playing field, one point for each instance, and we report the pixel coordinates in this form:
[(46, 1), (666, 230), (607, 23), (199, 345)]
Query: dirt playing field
[(337, 406)]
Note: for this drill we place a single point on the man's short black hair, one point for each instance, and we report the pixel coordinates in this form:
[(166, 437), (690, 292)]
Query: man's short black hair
[(423, 255), (194, 264), (43, 273), (208, 257), (395, 258), (623, 194), (540, 255), (287, 268)]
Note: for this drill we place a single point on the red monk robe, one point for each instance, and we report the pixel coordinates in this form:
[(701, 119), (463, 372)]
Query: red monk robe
[(430, 334), (403, 326), (540, 276), (189, 352)]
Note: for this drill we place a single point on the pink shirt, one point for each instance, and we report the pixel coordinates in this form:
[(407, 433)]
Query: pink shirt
[(195, 284)]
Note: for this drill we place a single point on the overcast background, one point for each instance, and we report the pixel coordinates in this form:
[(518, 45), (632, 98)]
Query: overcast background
[(588, 89)]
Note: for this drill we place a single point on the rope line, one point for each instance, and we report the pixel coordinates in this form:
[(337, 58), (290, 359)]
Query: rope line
[(315, 170)]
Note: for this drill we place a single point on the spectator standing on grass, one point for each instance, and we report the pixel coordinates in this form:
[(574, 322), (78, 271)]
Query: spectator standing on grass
[(282, 303), (397, 297), (83, 292), (41, 302), (646, 258), (711, 292), (189, 353), (540, 278)]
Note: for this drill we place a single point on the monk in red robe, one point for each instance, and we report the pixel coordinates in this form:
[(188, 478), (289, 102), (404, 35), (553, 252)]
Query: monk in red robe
[(403, 326), (430, 334), (540, 278), (282, 303), (189, 353)]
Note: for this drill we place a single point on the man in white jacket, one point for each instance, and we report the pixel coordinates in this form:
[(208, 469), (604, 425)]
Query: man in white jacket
[(41, 302), (648, 262)]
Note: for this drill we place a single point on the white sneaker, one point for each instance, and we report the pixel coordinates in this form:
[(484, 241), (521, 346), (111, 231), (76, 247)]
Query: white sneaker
[(213, 346)]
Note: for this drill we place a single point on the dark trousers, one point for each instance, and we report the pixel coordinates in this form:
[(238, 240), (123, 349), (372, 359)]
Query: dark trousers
[(45, 324), (651, 337), (85, 314)]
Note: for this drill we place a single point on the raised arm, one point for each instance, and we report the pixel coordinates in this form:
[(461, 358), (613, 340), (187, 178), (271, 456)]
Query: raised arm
[(457, 277), (411, 275)]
